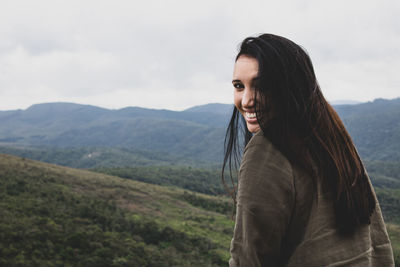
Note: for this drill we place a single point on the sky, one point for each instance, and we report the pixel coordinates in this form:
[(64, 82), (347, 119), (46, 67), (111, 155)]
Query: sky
[(175, 54)]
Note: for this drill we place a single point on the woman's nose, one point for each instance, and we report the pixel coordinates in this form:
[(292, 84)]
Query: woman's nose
[(248, 98)]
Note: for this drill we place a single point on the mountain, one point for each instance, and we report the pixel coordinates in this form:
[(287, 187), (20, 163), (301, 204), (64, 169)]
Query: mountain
[(222, 109), (375, 128), (195, 134), (344, 102), (187, 134), (57, 216)]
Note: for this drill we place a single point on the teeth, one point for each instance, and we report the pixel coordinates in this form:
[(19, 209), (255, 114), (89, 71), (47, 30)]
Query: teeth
[(250, 115)]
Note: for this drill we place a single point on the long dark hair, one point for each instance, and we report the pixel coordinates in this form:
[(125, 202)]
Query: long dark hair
[(304, 127)]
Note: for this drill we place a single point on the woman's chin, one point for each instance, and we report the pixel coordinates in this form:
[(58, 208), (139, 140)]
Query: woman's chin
[(253, 128)]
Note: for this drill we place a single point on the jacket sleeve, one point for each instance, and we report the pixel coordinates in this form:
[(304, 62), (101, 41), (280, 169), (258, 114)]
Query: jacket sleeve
[(265, 201)]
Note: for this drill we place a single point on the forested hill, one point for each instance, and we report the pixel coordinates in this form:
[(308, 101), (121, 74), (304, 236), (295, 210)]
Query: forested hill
[(57, 216), (194, 134), (374, 127), (189, 133)]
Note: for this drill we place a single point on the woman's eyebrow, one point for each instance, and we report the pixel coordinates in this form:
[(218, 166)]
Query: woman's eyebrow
[(236, 81)]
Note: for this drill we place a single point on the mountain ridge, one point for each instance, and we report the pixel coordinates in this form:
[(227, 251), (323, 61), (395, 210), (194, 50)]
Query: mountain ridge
[(196, 133)]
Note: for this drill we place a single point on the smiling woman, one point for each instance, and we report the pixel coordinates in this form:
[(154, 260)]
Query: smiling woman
[(303, 196), (244, 79)]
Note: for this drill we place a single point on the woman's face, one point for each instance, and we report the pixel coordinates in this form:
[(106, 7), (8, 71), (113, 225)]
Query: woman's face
[(244, 80)]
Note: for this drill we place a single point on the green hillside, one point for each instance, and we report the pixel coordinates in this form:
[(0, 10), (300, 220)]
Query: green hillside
[(394, 234), (206, 181), (53, 216), (58, 216), (375, 128), (94, 157)]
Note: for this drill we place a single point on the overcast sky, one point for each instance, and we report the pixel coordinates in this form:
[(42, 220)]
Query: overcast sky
[(180, 53)]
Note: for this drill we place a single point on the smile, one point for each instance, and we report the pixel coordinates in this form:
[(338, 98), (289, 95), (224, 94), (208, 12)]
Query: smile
[(250, 115)]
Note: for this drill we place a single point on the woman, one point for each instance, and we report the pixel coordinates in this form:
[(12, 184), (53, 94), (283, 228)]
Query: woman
[(303, 195)]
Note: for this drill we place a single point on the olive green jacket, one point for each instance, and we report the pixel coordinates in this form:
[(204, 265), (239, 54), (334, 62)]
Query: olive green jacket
[(280, 221)]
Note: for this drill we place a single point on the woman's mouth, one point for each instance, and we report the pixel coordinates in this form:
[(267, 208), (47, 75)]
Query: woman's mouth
[(250, 117)]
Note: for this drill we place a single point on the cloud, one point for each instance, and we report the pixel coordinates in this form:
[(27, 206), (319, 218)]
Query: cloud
[(173, 54)]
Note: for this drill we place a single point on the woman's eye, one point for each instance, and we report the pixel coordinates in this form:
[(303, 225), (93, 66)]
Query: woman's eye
[(238, 86)]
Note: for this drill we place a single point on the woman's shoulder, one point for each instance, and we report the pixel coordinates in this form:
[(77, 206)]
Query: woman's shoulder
[(262, 159), (261, 152)]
